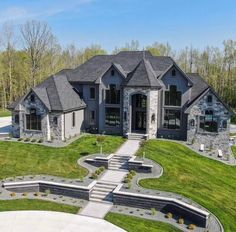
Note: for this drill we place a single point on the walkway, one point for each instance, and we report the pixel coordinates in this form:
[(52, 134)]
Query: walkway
[(101, 196), (47, 221), (5, 126)]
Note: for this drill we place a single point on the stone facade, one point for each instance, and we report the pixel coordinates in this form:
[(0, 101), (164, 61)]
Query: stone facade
[(151, 113), (212, 141)]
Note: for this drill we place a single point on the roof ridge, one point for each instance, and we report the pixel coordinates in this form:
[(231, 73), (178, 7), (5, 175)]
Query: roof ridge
[(53, 77), (146, 69)]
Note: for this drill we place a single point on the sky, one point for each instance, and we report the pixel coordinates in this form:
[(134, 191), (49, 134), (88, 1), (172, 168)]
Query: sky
[(112, 23)]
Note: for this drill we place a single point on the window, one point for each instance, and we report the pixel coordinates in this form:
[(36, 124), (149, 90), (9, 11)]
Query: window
[(112, 117), (32, 98), (141, 101), (224, 124), (73, 119), (209, 99), (92, 117), (112, 95), (92, 93), (33, 121), (209, 122), (112, 72), (173, 72), (17, 119), (55, 121), (173, 97), (172, 119), (192, 123)]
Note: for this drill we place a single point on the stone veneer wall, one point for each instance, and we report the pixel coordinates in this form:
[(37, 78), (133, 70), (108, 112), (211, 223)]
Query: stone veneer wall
[(19, 130), (152, 105), (212, 141)]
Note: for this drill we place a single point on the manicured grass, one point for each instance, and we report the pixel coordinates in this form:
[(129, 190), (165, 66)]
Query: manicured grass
[(4, 113), (28, 204), (234, 151), (208, 182), (135, 224), (233, 119), (23, 159)]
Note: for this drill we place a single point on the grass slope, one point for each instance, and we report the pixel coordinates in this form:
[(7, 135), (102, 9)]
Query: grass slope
[(24, 159), (208, 182), (135, 224), (4, 113), (27, 204)]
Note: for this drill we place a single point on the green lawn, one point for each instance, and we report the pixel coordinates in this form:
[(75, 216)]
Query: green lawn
[(234, 151), (208, 182), (23, 159), (5, 113), (27, 204), (135, 224)]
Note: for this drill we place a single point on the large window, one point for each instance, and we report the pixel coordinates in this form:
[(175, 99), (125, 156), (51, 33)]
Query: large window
[(33, 121), (209, 122), (141, 101), (173, 97), (112, 116), (172, 119), (112, 95)]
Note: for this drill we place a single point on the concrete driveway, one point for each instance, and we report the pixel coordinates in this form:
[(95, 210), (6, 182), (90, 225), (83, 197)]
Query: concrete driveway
[(47, 221), (5, 125)]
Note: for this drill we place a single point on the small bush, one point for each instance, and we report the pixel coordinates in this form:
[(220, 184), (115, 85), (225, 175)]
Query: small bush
[(169, 215), (33, 140), (129, 176), (47, 192), (181, 221), (129, 185), (153, 211), (191, 226), (37, 194), (20, 139), (40, 140), (94, 176), (13, 194), (127, 180), (98, 172), (102, 168), (27, 140), (25, 194), (132, 172)]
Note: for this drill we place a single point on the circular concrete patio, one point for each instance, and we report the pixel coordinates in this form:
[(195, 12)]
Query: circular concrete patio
[(47, 221)]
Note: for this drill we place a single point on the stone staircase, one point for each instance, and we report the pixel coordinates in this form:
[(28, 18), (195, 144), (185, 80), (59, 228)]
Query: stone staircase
[(118, 162), (137, 136), (102, 192)]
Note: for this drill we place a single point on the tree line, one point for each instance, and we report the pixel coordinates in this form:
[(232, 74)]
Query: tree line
[(31, 53)]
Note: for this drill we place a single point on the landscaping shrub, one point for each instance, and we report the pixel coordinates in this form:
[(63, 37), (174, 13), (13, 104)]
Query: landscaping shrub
[(25, 194), (94, 176), (127, 180), (27, 139), (181, 221), (233, 120), (102, 168), (40, 140), (132, 172), (33, 140), (20, 139), (13, 194), (129, 176), (191, 226), (169, 215), (37, 194), (154, 211), (98, 172), (129, 186)]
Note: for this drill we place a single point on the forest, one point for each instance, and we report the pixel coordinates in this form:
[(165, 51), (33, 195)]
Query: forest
[(30, 53)]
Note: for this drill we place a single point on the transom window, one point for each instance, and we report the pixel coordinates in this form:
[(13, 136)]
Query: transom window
[(209, 122), (112, 116), (112, 95), (172, 119), (173, 97), (33, 121)]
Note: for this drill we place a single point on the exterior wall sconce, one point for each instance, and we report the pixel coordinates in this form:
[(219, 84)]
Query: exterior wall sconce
[(153, 118)]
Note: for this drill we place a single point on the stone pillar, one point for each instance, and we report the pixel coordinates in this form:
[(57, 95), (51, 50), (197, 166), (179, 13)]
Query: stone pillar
[(152, 110)]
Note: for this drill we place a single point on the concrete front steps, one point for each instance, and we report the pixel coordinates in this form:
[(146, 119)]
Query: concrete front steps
[(137, 136), (102, 192), (119, 162)]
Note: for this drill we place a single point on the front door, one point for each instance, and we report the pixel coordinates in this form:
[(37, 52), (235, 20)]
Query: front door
[(140, 121)]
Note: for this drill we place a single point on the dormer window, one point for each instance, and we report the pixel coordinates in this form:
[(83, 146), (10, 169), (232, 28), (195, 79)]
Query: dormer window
[(209, 99), (112, 72), (173, 73), (32, 98)]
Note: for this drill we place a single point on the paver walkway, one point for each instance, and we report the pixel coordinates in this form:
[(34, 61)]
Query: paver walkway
[(100, 209)]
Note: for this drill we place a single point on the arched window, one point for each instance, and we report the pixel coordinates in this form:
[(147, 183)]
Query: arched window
[(209, 99), (33, 121)]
